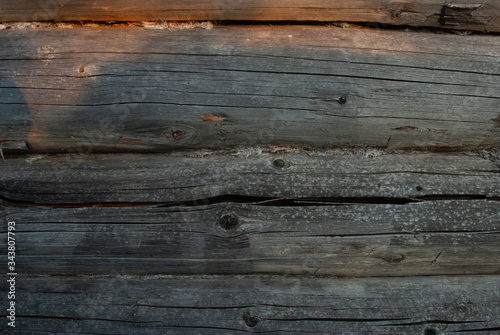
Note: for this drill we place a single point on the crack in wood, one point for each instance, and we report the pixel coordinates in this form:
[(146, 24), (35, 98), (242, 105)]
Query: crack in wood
[(434, 261), (428, 322), (280, 304), (257, 201)]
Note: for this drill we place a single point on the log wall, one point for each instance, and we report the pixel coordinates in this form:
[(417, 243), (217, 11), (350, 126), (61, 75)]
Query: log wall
[(264, 173)]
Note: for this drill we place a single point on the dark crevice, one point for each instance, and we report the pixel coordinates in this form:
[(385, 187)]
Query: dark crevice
[(150, 324), (261, 275), (343, 24), (5, 201), (358, 24), (287, 202), (345, 76), (188, 307), (94, 150), (74, 318), (257, 201), (339, 319), (401, 233), (447, 322)]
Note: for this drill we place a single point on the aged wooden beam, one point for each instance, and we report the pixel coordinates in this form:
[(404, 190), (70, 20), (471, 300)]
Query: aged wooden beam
[(342, 213), (196, 178), (328, 239), (134, 89), (203, 177), (470, 14), (259, 304)]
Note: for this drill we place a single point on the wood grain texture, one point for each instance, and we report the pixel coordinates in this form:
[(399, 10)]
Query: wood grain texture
[(353, 240), (231, 304), (337, 212), (133, 89), (470, 14), (335, 175)]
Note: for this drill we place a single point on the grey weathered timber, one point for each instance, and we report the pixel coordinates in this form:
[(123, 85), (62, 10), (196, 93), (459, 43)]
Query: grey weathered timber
[(134, 89), (335, 212), (203, 177), (470, 14), (259, 304), (353, 240)]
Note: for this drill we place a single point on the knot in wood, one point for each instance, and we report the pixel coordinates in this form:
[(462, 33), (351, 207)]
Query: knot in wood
[(279, 163), (430, 331), (251, 321), (228, 221)]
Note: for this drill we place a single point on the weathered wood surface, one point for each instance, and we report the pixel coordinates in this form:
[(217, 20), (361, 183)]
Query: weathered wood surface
[(335, 175), (429, 238), (259, 304), (470, 14), (343, 213), (133, 89)]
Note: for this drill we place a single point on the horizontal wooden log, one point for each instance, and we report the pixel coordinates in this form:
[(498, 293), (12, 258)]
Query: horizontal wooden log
[(336, 212), (132, 89), (470, 14), (250, 176), (258, 304), (430, 238)]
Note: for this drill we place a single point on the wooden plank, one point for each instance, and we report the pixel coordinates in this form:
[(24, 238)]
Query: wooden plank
[(249, 175), (336, 212), (470, 14), (259, 304), (133, 89), (429, 238)]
